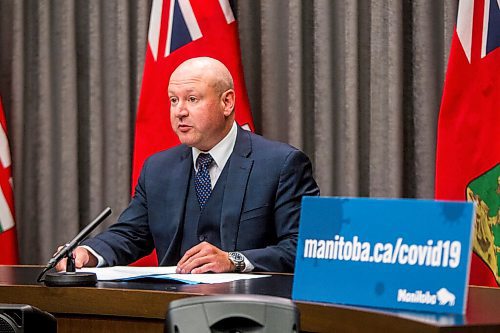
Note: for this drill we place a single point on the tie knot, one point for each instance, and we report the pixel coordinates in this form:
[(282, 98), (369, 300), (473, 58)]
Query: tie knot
[(204, 160)]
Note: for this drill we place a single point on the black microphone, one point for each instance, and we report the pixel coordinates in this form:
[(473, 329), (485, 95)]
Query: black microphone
[(67, 250)]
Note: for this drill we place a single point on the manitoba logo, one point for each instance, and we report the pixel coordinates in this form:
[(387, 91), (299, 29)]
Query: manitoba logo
[(442, 297), (484, 191)]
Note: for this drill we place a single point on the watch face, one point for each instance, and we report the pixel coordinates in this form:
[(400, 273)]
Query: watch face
[(238, 261), (236, 256)]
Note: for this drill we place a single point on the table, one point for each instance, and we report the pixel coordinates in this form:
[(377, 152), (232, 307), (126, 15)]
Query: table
[(140, 306)]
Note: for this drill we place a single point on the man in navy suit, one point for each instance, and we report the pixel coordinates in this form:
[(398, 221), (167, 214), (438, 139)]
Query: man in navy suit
[(224, 200)]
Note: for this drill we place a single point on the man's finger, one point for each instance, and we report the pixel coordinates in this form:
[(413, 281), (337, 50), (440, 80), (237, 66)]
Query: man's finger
[(197, 262), (191, 252), (208, 267), (191, 262), (80, 260), (61, 266)]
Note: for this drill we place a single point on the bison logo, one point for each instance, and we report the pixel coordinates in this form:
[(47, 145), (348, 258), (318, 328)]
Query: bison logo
[(444, 297)]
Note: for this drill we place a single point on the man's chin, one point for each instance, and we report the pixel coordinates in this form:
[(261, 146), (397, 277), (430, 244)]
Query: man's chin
[(187, 141)]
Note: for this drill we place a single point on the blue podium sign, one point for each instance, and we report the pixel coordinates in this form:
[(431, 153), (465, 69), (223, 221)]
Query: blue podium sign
[(391, 253)]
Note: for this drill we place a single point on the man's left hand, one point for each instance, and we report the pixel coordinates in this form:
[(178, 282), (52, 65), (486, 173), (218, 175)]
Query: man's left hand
[(204, 258)]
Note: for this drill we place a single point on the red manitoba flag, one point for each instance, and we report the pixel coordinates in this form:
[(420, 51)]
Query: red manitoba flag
[(179, 30), (468, 146), (8, 240)]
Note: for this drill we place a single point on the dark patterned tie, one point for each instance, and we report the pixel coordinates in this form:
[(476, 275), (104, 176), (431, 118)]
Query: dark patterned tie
[(202, 178)]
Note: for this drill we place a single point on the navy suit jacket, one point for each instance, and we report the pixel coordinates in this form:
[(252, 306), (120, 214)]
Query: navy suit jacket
[(266, 181)]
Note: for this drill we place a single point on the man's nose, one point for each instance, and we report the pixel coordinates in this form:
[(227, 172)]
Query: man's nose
[(181, 110)]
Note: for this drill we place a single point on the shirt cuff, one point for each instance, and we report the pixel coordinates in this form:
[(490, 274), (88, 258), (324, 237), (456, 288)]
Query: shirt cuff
[(100, 260), (248, 265)]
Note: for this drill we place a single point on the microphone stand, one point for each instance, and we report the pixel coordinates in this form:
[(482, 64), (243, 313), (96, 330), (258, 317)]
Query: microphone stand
[(71, 277)]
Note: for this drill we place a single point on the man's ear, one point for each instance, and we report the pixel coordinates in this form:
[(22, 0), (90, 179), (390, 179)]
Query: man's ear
[(228, 99)]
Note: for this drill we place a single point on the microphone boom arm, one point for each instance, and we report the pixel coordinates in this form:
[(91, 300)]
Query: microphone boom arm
[(68, 248)]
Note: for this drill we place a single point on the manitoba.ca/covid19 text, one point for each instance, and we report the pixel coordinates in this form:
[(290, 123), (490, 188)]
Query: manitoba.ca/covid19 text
[(433, 253)]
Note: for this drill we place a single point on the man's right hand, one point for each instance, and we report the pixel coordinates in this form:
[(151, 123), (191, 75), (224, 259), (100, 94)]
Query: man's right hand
[(83, 258)]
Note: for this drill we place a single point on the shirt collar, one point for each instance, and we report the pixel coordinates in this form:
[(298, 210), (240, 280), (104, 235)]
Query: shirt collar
[(221, 151)]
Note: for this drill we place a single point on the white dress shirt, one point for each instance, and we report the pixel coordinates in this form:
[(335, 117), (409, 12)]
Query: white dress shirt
[(220, 153)]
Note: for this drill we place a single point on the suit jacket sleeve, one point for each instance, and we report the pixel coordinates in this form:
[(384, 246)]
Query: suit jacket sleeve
[(130, 238), (295, 181)]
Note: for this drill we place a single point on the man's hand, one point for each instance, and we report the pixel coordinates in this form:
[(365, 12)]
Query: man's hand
[(82, 258), (203, 258)]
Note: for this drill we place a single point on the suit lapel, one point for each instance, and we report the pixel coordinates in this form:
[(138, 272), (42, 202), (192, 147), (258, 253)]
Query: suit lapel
[(175, 200), (239, 170)]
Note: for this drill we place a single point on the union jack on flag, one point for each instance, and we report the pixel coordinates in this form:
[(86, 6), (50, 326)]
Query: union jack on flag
[(489, 25), (183, 27)]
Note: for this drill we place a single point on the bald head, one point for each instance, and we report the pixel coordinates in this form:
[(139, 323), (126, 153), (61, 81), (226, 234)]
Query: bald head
[(211, 70), (202, 102)]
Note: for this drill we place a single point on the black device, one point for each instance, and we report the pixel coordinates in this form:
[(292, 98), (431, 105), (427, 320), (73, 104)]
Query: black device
[(22, 318), (71, 277), (232, 313)]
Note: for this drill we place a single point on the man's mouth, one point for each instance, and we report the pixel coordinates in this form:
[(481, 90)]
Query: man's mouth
[(184, 127)]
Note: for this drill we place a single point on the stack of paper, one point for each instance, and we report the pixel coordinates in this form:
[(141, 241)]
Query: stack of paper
[(165, 273)]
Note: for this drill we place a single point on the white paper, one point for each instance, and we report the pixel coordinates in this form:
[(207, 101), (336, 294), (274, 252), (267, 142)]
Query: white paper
[(164, 273)]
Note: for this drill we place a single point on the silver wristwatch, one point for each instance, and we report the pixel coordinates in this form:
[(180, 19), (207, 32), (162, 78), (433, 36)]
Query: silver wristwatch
[(238, 261)]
